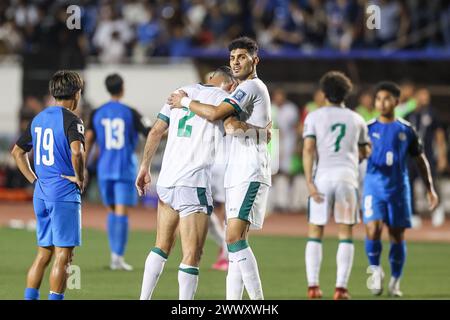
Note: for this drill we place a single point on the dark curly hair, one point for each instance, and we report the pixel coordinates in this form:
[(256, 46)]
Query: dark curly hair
[(336, 86)]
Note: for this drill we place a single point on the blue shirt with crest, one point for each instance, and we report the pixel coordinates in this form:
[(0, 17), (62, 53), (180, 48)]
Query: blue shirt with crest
[(387, 167)]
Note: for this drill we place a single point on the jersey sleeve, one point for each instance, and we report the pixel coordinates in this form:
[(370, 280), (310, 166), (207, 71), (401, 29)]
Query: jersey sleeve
[(164, 114), (25, 141), (141, 123), (415, 145), (73, 127), (241, 98), (308, 128)]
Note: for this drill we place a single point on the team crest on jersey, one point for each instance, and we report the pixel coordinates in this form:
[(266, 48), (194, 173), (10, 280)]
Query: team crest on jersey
[(376, 135), (80, 128), (402, 136), (239, 95)]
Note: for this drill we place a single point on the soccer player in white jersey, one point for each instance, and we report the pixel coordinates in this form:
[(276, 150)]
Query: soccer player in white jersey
[(216, 229), (337, 138), (183, 185), (248, 174)]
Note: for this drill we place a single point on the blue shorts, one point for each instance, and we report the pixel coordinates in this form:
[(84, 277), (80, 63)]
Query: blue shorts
[(395, 212), (118, 192), (58, 223)]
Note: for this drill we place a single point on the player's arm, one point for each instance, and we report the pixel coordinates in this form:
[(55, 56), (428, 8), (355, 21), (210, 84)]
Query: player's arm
[(365, 150), (19, 152), (90, 137), (206, 111), (416, 150), (141, 123), (78, 161), (364, 144), (234, 126), (425, 172), (23, 163), (309, 153), (74, 129), (90, 140), (143, 179)]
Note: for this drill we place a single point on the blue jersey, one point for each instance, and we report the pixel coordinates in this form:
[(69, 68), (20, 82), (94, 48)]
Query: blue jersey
[(50, 134), (116, 128), (387, 166)]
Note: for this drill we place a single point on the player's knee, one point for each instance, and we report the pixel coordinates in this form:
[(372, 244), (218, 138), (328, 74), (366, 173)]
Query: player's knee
[(396, 236), (43, 260), (166, 247), (373, 233), (63, 257), (232, 237), (192, 256)]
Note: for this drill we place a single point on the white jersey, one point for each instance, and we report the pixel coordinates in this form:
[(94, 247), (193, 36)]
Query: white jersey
[(338, 133), (192, 141), (249, 159)]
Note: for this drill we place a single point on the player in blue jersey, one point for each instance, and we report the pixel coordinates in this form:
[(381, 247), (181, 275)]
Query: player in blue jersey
[(56, 136), (387, 195), (115, 128)]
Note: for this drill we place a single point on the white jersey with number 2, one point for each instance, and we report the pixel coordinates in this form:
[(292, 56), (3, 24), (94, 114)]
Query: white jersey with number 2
[(192, 141)]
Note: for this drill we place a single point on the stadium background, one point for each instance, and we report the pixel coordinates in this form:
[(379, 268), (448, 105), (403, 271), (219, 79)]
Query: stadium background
[(160, 45)]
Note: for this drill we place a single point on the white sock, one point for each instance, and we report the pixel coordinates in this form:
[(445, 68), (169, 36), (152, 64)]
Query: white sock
[(235, 285), (313, 260), (250, 273), (154, 265), (344, 260), (187, 281)]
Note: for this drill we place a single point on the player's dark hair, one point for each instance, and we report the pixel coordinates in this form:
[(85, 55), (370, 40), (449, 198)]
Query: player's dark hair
[(114, 84), (244, 43), (390, 87), (226, 72), (65, 84), (336, 86)]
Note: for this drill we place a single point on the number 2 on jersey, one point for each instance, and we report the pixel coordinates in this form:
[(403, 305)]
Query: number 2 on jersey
[(342, 128), (185, 130)]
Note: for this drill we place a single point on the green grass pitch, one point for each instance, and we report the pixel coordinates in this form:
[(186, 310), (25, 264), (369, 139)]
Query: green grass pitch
[(280, 259)]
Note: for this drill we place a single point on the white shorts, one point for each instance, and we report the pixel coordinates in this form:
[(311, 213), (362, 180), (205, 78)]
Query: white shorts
[(248, 202), (186, 200), (217, 183), (340, 200)]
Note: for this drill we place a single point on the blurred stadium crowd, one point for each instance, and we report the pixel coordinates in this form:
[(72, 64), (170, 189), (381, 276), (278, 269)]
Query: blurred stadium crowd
[(114, 31), (117, 31)]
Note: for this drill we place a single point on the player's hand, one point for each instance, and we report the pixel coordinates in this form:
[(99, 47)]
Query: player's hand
[(81, 184), (174, 99), (433, 200), (143, 182), (314, 193)]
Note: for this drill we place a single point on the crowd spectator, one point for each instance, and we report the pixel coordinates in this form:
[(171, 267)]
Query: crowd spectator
[(432, 133), (142, 28), (366, 106)]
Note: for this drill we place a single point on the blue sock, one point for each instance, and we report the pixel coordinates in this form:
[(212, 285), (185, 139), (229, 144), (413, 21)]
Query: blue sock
[(55, 296), (397, 256), (31, 294), (373, 251), (121, 234), (111, 226)]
